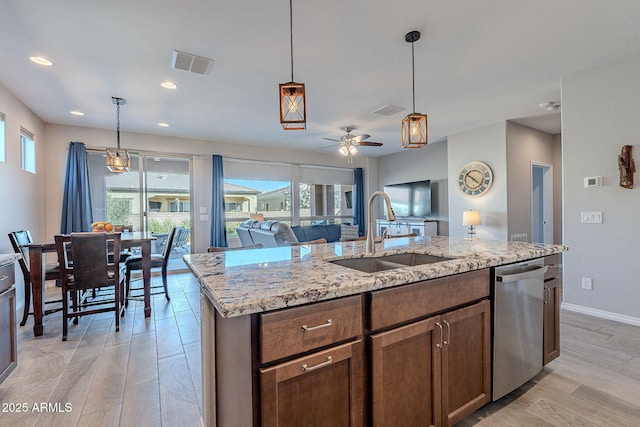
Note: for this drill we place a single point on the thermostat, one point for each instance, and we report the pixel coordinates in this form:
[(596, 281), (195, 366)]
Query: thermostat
[(593, 181)]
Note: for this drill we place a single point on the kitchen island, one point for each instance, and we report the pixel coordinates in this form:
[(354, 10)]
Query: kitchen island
[(289, 336)]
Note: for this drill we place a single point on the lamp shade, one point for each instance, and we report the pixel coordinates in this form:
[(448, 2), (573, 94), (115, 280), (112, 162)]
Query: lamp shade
[(471, 217)]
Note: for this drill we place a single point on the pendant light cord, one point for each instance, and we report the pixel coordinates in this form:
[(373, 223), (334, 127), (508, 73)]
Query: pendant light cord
[(413, 77), (118, 123), (291, 33)]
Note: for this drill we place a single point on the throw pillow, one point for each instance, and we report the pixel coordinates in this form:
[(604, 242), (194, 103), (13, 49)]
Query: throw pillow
[(348, 232)]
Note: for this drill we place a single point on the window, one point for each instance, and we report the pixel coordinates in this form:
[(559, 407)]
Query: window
[(323, 194), (28, 151), (2, 139)]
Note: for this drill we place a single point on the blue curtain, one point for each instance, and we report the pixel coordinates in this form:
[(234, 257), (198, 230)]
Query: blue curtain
[(358, 202), (77, 214), (218, 223)]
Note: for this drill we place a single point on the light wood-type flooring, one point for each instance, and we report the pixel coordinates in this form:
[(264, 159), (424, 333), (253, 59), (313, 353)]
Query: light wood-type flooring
[(148, 374)]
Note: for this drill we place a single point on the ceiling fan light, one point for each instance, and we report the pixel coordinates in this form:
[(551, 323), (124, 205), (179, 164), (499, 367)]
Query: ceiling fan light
[(343, 150), (293, 112), (353, 150), (414, 131)]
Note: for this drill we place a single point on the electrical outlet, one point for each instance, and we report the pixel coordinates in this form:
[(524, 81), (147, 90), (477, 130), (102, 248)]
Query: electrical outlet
[(587, 283)]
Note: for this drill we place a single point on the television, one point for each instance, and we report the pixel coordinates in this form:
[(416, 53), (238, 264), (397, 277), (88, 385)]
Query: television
[(410, 199)]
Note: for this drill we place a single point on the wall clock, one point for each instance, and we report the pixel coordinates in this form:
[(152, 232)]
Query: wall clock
[(475, 178)]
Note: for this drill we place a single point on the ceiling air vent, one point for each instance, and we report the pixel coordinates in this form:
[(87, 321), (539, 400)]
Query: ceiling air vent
[(388, 110), (193, 63)]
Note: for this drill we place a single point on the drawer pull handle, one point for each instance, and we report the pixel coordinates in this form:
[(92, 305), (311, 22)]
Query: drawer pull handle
[(313, 328), (306, 368), (3, 278)]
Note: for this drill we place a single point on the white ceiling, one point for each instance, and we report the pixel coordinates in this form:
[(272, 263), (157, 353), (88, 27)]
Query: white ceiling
[(477, 62)]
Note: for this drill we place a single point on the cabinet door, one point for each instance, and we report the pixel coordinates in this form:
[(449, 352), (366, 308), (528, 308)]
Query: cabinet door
[(551, 320), (8, 344), (466, 353), (322, 389), (406, 375)]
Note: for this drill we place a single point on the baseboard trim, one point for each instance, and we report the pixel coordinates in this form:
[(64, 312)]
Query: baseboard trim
[(601, 313)]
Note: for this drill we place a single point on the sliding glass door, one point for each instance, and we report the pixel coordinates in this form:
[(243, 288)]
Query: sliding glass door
[(153, 196)]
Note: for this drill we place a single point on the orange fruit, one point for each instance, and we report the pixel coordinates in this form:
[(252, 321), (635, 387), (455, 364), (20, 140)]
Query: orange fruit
[(108, 227)]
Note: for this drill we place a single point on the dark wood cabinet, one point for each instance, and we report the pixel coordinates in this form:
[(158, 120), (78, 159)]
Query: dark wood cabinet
[(432, 372), (552, 300), (322, 389), (8, 344)]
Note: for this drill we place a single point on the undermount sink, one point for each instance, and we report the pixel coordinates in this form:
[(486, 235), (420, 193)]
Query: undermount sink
[(388, 262)]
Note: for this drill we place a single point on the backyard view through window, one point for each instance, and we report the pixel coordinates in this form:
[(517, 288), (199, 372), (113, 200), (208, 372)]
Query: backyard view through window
[(318, 200), (153, 198)]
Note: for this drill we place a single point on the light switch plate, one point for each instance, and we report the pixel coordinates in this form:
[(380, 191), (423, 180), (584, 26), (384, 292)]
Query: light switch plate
[(204, 218), (203, 209), (591, 217), (587, 283)]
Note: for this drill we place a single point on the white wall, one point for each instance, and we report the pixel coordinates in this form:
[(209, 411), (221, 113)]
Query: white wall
[(601, 108), (22, 193), (524, 147), (487, 144), (429, 162)]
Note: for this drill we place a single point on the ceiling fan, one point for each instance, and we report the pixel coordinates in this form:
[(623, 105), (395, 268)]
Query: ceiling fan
[(348, 144)]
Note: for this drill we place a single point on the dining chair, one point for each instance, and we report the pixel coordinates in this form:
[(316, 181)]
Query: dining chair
[(134, 263), (85, 267), (19, 240), (240, 248), (119, 228)]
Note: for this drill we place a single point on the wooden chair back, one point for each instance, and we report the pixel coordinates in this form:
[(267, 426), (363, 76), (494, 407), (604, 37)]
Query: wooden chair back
[(18, 241)]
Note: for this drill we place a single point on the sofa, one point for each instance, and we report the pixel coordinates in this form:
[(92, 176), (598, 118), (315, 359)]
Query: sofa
[(276, 233)]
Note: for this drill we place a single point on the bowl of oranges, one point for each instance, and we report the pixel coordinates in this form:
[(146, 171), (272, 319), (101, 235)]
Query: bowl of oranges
[(101, 227)]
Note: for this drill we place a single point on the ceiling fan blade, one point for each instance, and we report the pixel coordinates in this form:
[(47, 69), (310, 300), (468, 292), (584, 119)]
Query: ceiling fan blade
[(361, 137), (329, 146), (331, 139), (370, 144)]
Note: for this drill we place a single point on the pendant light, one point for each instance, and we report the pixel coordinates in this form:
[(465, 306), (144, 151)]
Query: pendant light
[(414, 126), (120, 160), (293, 111)]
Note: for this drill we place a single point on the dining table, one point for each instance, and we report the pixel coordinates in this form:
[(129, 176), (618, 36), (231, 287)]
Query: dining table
[(141, 239)]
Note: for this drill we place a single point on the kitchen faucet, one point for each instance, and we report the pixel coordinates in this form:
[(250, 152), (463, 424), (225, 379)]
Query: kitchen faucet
[(371, 249)]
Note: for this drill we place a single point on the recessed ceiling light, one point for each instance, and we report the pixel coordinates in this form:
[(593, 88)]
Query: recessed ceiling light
[(40, 60), (169, 85), (163, 125), (76, 113)]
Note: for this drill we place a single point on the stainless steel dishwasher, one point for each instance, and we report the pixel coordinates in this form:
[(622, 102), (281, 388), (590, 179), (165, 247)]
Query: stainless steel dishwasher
[(517, 324)]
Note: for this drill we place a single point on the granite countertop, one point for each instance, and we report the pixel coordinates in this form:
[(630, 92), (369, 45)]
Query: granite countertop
[(244, 282), (9, 258)]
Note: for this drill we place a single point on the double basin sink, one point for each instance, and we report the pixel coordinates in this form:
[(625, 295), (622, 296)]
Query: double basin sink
[(388, 262)]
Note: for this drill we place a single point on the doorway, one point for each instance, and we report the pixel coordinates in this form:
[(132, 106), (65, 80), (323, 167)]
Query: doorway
[(153, 196), (541, 203)]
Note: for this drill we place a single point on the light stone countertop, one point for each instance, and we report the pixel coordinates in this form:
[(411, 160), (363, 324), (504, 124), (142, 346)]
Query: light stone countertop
[(9, 258), (257, 280)]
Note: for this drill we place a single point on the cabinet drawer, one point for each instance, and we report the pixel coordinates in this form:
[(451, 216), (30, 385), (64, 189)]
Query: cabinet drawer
[(424, 298), (299, 329), (7, 276)]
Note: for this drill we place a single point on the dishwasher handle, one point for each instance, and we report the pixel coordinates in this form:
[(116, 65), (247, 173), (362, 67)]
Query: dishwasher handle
[(521, 276)]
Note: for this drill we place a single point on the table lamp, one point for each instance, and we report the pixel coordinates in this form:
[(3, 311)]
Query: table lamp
[(471, 218)]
